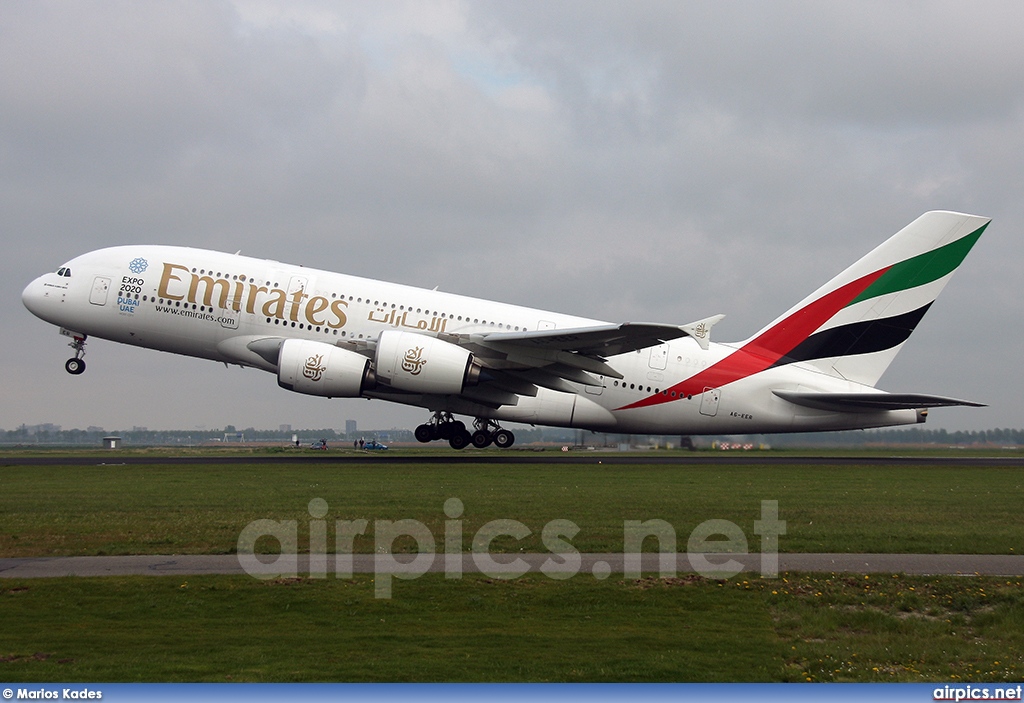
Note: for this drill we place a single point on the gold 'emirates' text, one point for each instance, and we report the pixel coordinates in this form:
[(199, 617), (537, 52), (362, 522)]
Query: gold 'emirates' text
[(246, 295)]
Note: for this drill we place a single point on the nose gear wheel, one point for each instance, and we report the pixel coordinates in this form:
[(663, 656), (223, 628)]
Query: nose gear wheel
[(76, 365)]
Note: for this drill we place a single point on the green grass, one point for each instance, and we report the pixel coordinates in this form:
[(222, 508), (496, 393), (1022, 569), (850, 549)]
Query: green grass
[(795, 628), (154, 509), (233, 628), (899, 628)]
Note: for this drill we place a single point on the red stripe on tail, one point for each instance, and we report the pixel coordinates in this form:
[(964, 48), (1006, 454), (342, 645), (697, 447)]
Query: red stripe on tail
[(764, 350)]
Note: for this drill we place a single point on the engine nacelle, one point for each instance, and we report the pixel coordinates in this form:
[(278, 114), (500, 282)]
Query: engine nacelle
[(421, 364), (321, 369)]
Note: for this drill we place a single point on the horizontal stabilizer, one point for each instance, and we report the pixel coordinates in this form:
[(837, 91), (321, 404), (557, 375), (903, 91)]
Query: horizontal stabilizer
[(870, 402)]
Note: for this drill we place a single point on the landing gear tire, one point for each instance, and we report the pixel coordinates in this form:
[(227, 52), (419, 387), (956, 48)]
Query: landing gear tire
[(76, 364), (482, 438), (444, 426), (459, 439), (504, 439)]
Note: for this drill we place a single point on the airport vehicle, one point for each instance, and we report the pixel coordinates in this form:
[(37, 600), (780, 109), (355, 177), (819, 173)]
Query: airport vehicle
[(374, 445), (329, 334)]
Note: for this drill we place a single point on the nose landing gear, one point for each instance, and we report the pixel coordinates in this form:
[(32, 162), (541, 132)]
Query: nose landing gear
[(76, 365), (444, 426)]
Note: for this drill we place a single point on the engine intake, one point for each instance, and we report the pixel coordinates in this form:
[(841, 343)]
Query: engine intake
[(421, 364), (315, 368)]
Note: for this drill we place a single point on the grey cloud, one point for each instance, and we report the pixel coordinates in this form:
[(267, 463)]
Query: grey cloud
[(660, 161)]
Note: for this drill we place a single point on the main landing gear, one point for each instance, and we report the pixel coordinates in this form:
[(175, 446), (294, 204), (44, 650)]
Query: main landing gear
[(487, 432), (76, 365), (444, 426)]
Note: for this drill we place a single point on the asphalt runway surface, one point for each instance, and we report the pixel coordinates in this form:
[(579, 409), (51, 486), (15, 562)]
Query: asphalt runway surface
[(598, 565)]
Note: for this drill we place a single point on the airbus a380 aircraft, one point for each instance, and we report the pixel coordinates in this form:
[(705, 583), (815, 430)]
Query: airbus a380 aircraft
[(334, 335)]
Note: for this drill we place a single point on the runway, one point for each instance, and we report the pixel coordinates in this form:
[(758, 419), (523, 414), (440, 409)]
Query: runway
[(509, 565), (523, 456)]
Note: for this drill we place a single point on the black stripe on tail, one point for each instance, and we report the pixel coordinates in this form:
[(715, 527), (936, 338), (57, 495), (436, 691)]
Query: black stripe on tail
[(856, 338)]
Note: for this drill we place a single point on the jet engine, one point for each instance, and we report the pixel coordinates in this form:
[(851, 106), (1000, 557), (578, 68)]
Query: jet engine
[(421, 364), (316, 368)]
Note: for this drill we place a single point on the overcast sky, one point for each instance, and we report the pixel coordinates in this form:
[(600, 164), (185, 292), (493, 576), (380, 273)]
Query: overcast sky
[(647, 161)]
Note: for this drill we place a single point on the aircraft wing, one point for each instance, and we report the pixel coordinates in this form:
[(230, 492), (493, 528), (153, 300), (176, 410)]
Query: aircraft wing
[(516, 363), (870, 402), (602, 340), (552, 357)]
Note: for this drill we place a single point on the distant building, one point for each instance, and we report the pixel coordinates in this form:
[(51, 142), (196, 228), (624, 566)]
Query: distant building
[(111, 442), (350, 427), (284, 429)]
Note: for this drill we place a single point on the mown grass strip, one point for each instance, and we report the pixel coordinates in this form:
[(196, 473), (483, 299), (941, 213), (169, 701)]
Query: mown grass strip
[(76, 510)]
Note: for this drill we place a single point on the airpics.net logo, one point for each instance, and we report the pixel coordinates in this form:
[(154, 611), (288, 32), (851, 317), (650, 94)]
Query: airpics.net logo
[(713, 548)]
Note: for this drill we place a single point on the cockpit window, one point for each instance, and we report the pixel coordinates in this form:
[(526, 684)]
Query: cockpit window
[(64, 271)]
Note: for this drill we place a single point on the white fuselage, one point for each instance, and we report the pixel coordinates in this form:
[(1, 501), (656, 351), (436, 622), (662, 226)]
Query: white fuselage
[(211, 305)]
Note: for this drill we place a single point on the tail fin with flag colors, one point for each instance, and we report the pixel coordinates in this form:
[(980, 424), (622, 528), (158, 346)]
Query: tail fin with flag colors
[(854, 325)]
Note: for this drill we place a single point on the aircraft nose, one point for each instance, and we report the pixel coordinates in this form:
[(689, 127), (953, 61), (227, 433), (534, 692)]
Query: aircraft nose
[(34, 297)]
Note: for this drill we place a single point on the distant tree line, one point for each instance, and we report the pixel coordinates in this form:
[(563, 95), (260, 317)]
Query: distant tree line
[(146, 437), (139, 436), (907, 436)]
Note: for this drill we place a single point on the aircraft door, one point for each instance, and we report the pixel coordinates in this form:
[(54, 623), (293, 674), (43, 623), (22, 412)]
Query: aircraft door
[(100, 288), (659, 357), (296, 284), (709, 401), (297, 292), (228, 316)]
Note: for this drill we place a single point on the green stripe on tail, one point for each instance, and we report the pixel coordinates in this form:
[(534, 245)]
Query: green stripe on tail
[(921, 269)]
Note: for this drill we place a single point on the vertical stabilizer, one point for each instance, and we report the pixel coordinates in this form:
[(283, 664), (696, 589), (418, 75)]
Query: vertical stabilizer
[(854, 325)]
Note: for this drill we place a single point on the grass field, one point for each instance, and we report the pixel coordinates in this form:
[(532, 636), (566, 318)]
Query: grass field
[(197, 509), (798, 627), (795, 628)]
